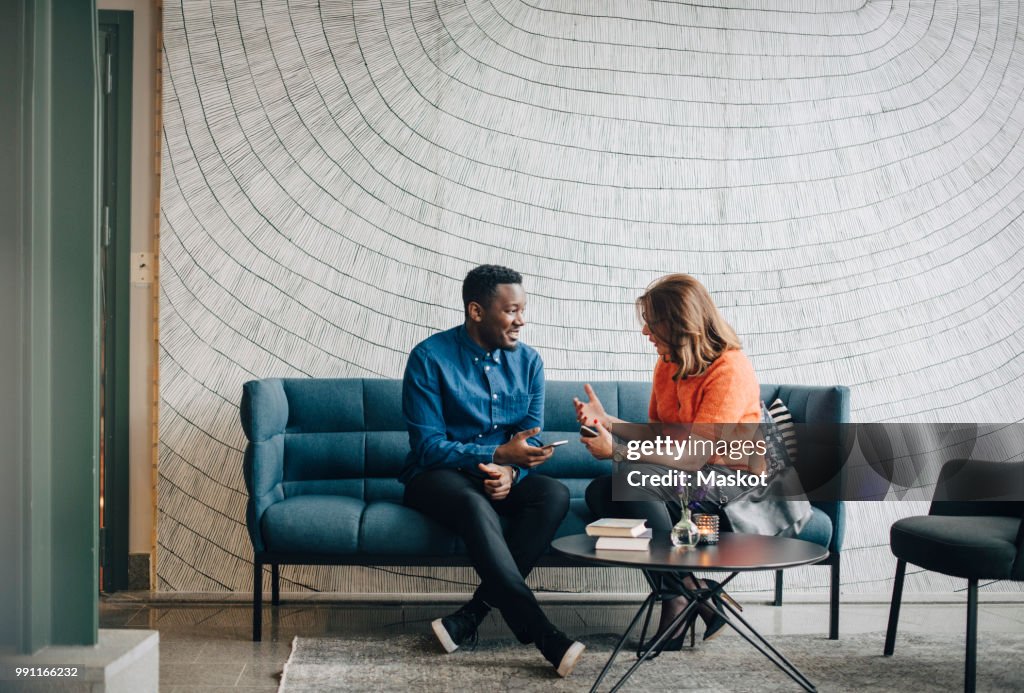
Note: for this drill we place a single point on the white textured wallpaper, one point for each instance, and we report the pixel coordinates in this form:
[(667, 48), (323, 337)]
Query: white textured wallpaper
[(845, 177)]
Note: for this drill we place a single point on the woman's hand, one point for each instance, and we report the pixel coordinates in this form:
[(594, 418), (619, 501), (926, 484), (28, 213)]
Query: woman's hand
[(602, 446), (592, 409)]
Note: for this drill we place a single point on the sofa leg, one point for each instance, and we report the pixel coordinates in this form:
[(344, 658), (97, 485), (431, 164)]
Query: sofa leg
[(972, 636), (257, 601), (275, 584), (833, 603), (894, 608), (778, 588)]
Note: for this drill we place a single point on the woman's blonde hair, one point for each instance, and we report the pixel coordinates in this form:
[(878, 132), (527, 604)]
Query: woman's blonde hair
[(679, 312)]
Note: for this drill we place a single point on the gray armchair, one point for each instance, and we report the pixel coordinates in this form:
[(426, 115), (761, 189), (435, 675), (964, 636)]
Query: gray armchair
[(976, 540)]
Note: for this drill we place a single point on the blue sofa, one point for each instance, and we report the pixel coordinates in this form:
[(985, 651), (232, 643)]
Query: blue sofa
[(323, 458)]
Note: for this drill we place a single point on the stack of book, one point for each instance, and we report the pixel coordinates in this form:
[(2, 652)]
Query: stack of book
[(617, 534)]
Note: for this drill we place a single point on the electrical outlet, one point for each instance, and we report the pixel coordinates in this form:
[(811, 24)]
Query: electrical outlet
[(142, 268)]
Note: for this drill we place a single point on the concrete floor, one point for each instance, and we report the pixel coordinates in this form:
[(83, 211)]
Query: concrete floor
[(206, 647)]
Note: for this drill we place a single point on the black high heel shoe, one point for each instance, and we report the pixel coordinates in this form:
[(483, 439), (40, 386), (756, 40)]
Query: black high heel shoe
[(713, 621), (675, 643), (670, 611)]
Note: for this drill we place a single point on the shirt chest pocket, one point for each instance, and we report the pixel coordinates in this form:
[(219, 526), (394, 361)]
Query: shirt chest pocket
[(512, 409)]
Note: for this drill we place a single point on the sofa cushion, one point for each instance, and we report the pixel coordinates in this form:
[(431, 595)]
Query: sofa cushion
[(385, 528), (818, 529), (313, 524), (384, 406), (576, 520), (572, 461), (324, 456), (391, 529), (968, 547), (386, 452), (634, 401), (383, 489), (324, 405), (559, 413)]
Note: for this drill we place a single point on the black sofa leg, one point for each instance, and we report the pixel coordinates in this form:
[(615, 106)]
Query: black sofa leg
[(972, 636), (778, 588), (894, 608), (833, 603), (275, 584), (257, 601)]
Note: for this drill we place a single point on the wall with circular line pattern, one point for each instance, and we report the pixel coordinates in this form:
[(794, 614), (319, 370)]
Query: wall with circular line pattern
[(845, 177)]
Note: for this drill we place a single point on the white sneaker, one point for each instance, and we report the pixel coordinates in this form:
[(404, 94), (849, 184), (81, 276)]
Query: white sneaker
[(562, 652)]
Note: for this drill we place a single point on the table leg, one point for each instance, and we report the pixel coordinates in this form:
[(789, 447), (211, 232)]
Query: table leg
[(643, 630), (657, 585), (696, 597), (648, 605), (655, 646)]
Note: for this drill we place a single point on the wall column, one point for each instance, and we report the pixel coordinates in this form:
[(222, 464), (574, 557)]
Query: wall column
[(50, 308)]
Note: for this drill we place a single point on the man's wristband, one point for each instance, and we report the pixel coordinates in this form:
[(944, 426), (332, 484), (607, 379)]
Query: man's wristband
[(516, 473)]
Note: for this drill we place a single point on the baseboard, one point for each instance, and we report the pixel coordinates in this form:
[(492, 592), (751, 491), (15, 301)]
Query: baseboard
[(790, 597)]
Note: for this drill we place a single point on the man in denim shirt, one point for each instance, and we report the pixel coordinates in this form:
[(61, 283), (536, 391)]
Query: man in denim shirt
[(472, 398)]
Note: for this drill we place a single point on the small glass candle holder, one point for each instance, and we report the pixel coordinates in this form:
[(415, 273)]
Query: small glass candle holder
[(707, 528)]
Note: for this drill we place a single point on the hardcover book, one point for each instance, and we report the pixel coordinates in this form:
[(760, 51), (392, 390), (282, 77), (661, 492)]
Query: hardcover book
[(639, 543), (616, 527)]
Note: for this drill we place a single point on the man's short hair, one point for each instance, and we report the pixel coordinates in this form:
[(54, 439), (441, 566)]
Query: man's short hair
[(481, 284)]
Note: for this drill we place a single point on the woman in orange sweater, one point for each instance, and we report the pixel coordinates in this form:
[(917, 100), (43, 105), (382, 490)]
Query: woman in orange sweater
[(702, 377)]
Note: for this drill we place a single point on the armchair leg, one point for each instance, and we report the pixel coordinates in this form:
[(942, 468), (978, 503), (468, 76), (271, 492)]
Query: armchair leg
[(894, 608), (275, 584), (972, 636), (778, 588), (833, 603), (257, 601)]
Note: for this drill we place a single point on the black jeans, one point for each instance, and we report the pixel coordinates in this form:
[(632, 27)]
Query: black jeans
[(535, 506)]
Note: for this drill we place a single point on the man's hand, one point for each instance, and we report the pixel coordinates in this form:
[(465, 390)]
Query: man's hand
[(519, 452), (500, 482)]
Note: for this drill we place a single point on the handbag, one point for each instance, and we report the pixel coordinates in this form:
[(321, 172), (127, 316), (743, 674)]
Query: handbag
[(777, 508)]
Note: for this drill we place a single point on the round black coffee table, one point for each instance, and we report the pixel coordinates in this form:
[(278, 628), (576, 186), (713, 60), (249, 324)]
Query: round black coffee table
[(734, 553)]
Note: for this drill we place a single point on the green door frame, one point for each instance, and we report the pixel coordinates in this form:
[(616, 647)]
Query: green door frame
[(115, 56)]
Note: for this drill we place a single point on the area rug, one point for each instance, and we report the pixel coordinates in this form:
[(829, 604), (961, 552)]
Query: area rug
[(854, 663)]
